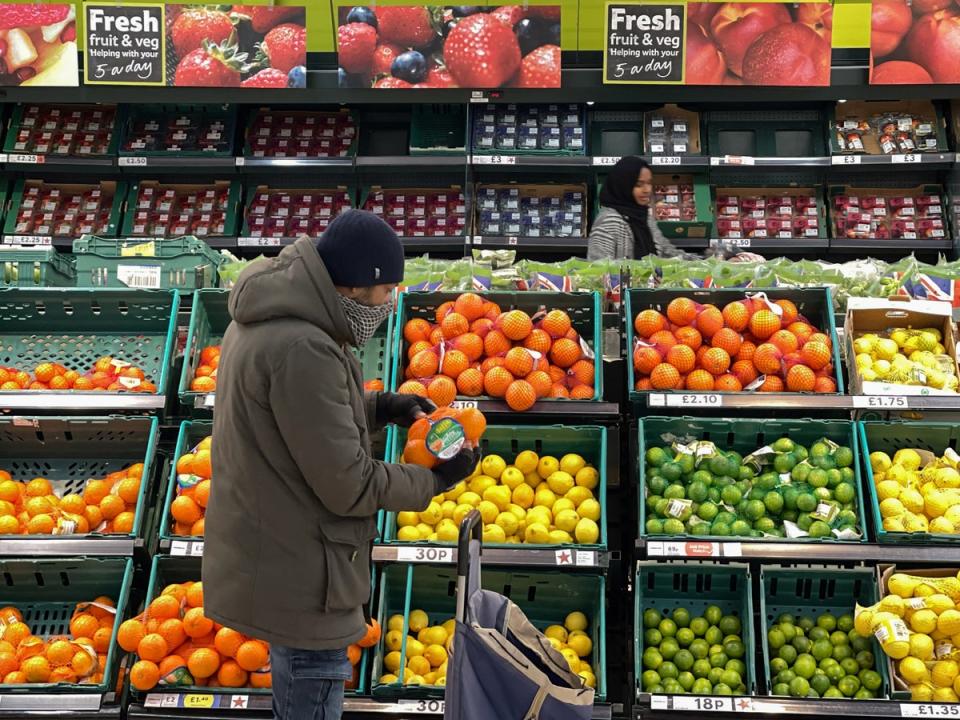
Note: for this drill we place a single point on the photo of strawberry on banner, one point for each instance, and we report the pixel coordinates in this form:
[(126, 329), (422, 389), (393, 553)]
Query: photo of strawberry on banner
[(764, 43), (466, 46), (916, 43), (38, 45), (247, 46)]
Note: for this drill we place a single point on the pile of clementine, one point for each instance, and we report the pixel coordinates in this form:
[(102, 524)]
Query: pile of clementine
[(473, 348), (106, 374), (178, 645), (205, 376), (78, 658), (194, 472), (416, 451), (106, 505), (751, 344)]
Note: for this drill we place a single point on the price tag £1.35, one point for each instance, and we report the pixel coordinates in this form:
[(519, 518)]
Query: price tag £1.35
[(931, 710)]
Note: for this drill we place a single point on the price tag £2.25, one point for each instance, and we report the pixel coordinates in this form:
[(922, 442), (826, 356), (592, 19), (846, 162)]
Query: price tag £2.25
[(424, 707), (425, 554)]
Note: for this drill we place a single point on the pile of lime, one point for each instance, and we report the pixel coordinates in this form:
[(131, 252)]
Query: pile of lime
[(702, 655), (781, 490), (825, 657)]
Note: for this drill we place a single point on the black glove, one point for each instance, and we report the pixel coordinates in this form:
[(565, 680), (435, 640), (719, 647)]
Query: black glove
[(457, 468), (401, 409)]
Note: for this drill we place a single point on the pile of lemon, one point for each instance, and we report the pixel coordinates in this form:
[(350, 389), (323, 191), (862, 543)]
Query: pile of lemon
[(537, 500), (906, 357), (918, 496), (428, 648), (918, 625)]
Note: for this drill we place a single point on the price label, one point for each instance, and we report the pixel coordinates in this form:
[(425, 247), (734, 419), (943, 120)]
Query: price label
[(194, 700), (209, 400), (241, 161), (494, 160), (3, 157), (512, 240), (732, 242), (258, 242), (694, 400), (706, 704), (425, 554), (880, 401), (463, 404), (693, 548), (179, 547), (607, 160), (422, 707), (929, 710), (196, 549), (132, 162), (845, 160), (27, 240), (586, 558), (27, 159), (478, 96), (908, 158), (733, 160), (666, 160)]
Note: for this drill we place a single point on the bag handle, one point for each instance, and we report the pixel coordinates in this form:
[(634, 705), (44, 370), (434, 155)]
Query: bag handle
[(469, 549)]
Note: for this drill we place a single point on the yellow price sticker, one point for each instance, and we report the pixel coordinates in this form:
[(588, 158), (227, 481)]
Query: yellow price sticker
[(197, 701), (145, 249)]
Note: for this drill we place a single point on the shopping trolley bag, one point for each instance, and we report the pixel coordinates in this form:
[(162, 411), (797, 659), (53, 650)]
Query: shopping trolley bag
[(501, 667)]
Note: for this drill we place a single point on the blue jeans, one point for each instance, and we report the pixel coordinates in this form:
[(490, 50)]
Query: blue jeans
[(308, 684)]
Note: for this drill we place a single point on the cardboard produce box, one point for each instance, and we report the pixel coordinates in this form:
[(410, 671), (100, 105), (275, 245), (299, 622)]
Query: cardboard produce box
[(788, 212), (858, 119), (871, 315), (506, 209)]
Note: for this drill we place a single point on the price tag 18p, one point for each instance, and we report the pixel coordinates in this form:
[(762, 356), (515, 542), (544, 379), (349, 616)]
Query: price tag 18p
[(929, 710), (422, 707), (705, 704), (425, 554)]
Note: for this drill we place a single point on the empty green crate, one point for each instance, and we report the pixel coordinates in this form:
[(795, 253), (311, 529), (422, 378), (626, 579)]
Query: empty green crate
[(666, 587), (209, 318), (811, 593), (815, 304), (36, 267), (583, 309), (47, 592), (76, 327), (889, 437), (167, 569), (588, 441), (68, 451), (191, 433), (183, 263), (744, 436), (438, 130), (546, 597)]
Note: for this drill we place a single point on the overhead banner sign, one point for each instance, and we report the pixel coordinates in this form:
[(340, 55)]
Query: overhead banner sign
[(914, 43), (242, 46), (713, 43), (39, 45), (394, 47)]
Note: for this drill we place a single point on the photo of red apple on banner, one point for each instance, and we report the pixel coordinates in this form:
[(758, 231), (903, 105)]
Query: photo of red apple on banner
[(770, 43), (916, 43), (467, 46)]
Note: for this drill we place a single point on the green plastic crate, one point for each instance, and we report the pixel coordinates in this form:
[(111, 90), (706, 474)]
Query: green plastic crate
[(209, 318), (183, 263), (47, 592), (191, 433), (75, 327), (231, 212), (583, 309), (557, 440), (438, 130), (816, 304), (19, 114), (699, 227), (807, 592), (488, 110), (113, 192), (694, 586), (744, 436), (164, 113), (315, 188), (889, 437), (766, 133), (36, 267), (70, 450), (546, 597), (167, 569), (342, 114)]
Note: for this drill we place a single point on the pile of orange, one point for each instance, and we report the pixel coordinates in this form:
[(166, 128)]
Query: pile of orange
[(416, 451), (79, 658), (106, 505), (189, 507), (205, 376), (106, 374), (178, 645), (473, 348), (355, 652), (751, 344), (373, 385)]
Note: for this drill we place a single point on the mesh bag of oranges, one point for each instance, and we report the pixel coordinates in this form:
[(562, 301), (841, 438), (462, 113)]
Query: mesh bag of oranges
[(189, 506), (440, 435), (79, 657), (107, 373), (107, 505), (750, 344), (473, 348)]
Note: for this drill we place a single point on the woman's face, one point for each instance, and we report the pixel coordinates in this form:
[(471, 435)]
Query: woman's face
[(643, 188)]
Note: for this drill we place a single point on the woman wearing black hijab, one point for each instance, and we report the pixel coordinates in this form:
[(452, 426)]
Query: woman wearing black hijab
[(624, 227)]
